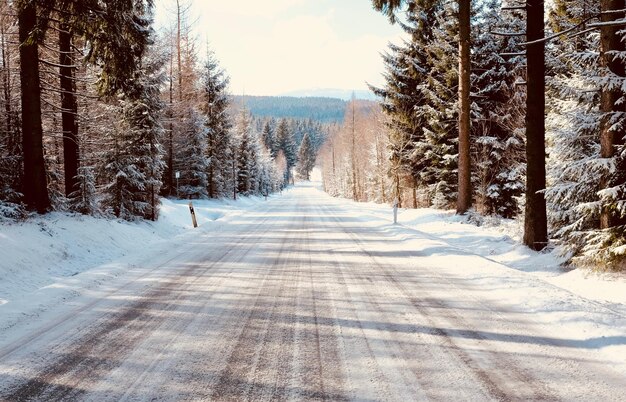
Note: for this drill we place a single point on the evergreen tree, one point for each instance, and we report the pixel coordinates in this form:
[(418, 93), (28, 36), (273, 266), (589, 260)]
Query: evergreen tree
[(575, 169), (247, 156), (135, 162), (440, 112), (35, 186), (451, 50), (535, 220), (194, 163), (214, 105), (306, 158), (286, 143), (84, 198), (497, 144), (269, 139), (403, 97)]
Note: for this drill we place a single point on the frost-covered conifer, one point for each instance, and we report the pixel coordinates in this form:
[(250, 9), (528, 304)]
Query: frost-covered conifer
[(287, 144), (134, 163), (84, 198), (441, 111), (214, 106), (247, 156), (194, 163), (306, 158), (497, 144)]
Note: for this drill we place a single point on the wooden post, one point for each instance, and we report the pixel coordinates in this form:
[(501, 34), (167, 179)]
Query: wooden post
[(193, 215)]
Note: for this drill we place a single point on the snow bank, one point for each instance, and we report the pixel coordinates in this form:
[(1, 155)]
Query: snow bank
[(51, 259), (500, 240), (55, 257)]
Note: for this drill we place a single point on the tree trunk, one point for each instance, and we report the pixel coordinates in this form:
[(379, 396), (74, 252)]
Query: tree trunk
[(353, 154), (69, 110), (610, 137), (398, 190), (6, 81), (464, 200), (35, 187), (169, 171), (535, 224), (178, 46)]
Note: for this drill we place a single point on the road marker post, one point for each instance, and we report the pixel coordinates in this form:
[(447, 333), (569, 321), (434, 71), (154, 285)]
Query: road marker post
[(395, 212), (193, 215), (177, 175)]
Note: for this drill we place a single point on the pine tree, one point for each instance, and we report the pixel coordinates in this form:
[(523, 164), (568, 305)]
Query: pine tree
[(407, 69), (84, 198), (440, 112), (286, 143), (575, 169), (35, 186), (194, 163), (497, 144), (306, 158), (214, 106), (135, 162), (269, 139), (453, 40), (247, 156)]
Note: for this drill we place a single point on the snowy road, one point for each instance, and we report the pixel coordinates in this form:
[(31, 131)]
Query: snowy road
[(300, 299)]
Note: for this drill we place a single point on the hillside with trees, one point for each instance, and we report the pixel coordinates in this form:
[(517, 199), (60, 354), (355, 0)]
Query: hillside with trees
[(326, 110)]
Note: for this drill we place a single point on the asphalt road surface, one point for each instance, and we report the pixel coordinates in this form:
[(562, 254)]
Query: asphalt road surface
[(299, 300)]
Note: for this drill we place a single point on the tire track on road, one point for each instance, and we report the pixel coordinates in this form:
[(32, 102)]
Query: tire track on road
[(500, 388), (116, 337)]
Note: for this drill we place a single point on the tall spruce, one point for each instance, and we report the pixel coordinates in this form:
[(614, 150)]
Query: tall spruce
[(306, 158), (135, 162), (287, 144), (214, 105), (194, 162), (497, 142), (35, 185), (247, 156), (464, 197), (403, 98), (463, 171), (440, 112), (573, 129)]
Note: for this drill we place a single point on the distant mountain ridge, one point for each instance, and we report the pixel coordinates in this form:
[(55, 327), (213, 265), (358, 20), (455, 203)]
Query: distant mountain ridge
[(323, 109), (344, 94)]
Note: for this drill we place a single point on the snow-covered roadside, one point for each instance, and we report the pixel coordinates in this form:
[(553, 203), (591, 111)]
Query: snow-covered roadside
[(54, 258), (499, 240), (488, 264), (50, 261)]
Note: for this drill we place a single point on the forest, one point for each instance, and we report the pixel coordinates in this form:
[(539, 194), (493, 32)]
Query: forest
[(102, 116), (326, 110), (499, 108), (492, 107)]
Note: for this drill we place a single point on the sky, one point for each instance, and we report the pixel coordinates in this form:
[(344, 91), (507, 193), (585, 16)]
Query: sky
[(272, 47)]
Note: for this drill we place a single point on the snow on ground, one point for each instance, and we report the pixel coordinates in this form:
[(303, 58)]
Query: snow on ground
[(58, 256), (500, 240), (54, 258)]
